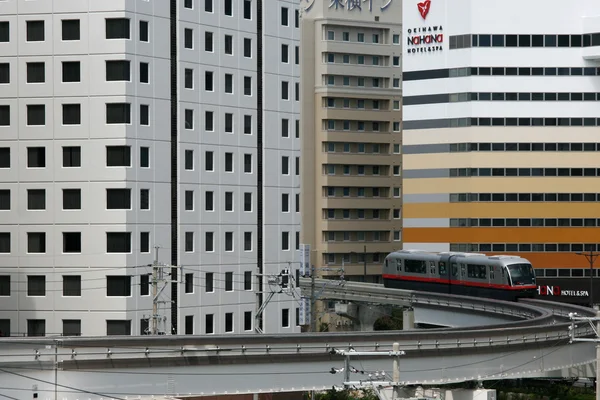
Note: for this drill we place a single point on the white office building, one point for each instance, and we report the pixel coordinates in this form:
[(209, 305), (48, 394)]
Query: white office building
[(130, 124)]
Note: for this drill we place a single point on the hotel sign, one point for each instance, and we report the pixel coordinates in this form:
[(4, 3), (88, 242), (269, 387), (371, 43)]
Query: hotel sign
[(350, 5), (425, 39)]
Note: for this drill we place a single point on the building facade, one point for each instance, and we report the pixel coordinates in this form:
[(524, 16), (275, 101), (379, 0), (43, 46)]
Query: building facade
[(500, 121), (351, 118), (129, 125)]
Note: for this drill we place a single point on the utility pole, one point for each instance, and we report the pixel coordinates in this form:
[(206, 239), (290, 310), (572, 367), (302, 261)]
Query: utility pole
[(154, 329), (595, 325), (591, 256), (313, 300)]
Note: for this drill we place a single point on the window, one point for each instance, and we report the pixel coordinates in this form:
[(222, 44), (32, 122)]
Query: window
[(36, 199), (284, 53), (285, 202), (285, 127), (118, 113), (144, 31), (189, 242), (71, 199), (297, 55), (145, 285), (144, 157), (228, 162), (36, 285), (284, 16), (228, 83), (208, 42), (285, 240), (208, 81), (71, 327), (144, 242), (189, 200), (297, 91), (247, 124), (228, 241), (285, 165), (188, 78), (36, 327), (71, 285), (247, 320), (248, 163), (4, 199), (229, 281), (118, 242), (247, 9), (209, 282), (36, 114), (4, 115), (36, 72), (297, 166), (228, 322), (188, 116), (118, 156), (228, 201), (247, 280), (4, 73), (247, 86), (285, 90), (4, 285), (117, 28), (297, 202), (118, 199), (228, 123), (285, 318), (71, 242), (228, 8), (118, 70), (35, 31), (118, 327), (189, 324), (4, 248), (144, 72), (247, 47), (188, 38), (144, 114), (188, 4), (209, 241), (189, 283), (208, 5), (209, 323), (71, 71), (71, 114), (209, 201), (144, 199), (297, 18), (4, 31), (248, 202), (118, 286), (247, 241), (208, 161), (228, 44), (189, 160)]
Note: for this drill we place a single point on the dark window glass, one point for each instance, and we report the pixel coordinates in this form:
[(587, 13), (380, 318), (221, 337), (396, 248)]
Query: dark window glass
[(36, 114), (35, 31), (71, 199), (71, 71), (36, 72), (71, 114), (4, 116), (4, 73), (144, 31), (118, 156), (118, 242), (70, 29), (117, 28), (118, 70), (4, 31), (36, 157), (71, 285), (118, 113), (118, 199), (118, 327)]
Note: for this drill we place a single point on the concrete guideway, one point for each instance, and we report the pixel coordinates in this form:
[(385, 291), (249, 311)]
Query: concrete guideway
[(527, 340)]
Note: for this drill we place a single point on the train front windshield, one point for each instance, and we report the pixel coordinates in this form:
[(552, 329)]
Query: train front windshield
[(521, 274)]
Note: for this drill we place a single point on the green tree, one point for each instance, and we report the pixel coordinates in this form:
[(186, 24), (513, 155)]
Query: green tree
[(392, 322)]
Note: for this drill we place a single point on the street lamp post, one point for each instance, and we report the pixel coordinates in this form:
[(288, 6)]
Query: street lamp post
[(591, 256)]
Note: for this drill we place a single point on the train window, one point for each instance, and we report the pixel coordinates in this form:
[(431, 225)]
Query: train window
[(491, 272), (476, 271), (442, 268), (398, 264), (463, 267), (432, 267), (415, 267), (454, 269)]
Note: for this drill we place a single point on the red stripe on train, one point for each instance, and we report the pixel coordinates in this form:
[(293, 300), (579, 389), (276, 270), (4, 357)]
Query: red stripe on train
[(461, 283)]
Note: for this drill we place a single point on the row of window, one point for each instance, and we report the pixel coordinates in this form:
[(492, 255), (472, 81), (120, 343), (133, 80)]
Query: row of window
[(360, 236), (524, 197), (552, 40), (359, 213), (332, 191), (116, 113), (467, 147), (121, 285), (359, 59), (121, 242), (359, 126), (459, 172), (499, 71), (523, 247), (351, 258), (565, 272), (72, 327), (360, 170), (498, 96), (374, 104), (359, 81), (246, 10), (359, 148), (209, 202), (486, 121), (115, 28), (360, 37), (524, 222)]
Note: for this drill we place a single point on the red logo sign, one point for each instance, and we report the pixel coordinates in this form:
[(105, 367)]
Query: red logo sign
[(424, 8)]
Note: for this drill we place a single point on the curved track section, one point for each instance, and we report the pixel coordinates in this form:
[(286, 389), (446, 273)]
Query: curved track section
[(529, 339)]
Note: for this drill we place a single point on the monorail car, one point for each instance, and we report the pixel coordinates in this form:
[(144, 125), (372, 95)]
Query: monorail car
[(499, 277)]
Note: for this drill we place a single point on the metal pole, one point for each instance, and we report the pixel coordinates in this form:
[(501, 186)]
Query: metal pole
[(313, 311), (365, 262), (597, 359), (155, 292), (591, 260), (396, 371)]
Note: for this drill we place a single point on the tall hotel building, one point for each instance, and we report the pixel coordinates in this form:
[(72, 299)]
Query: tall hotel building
[(351, 139), (130, 124), (501, 120)]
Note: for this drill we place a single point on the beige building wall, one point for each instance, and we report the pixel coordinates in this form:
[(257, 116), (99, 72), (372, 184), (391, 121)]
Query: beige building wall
[(350, 131)]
